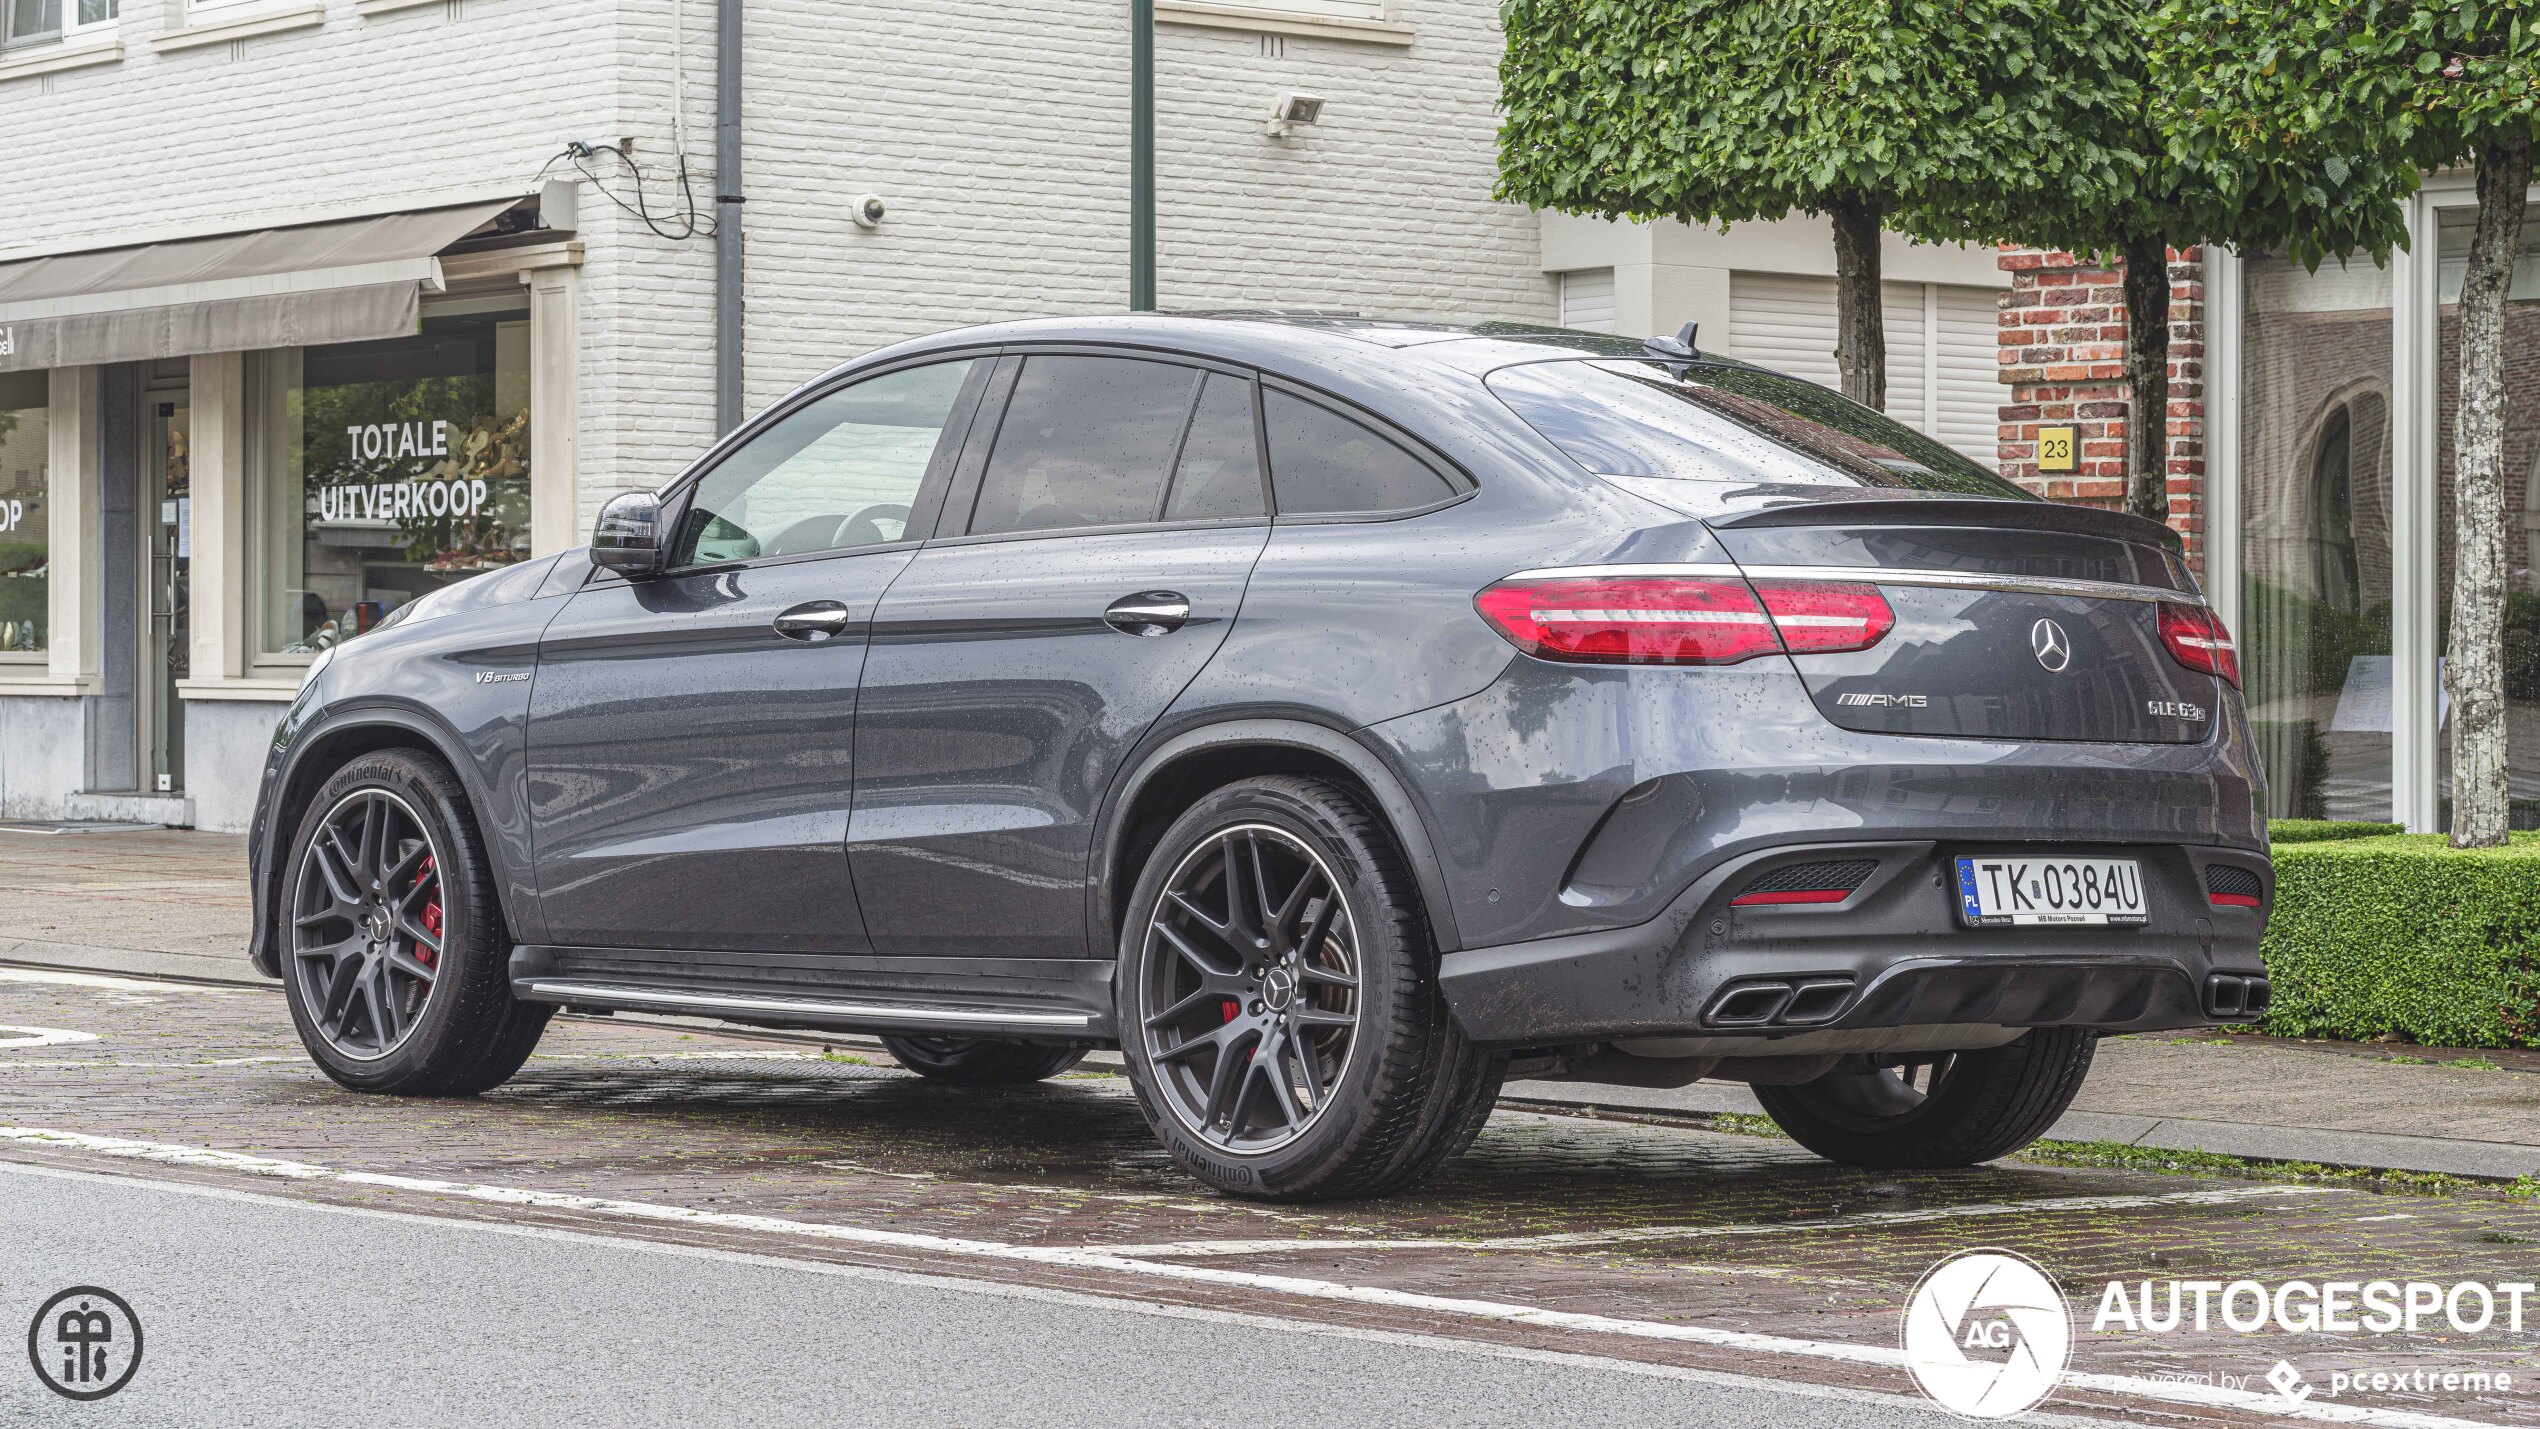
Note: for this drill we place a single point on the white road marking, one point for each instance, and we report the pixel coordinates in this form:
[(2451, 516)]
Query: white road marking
[(1632, 1235), (1003, 1290), (14, 1037), (2210, 1396), (113, 984)]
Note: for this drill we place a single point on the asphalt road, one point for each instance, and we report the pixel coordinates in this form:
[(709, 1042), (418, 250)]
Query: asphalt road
[(275, 1312)]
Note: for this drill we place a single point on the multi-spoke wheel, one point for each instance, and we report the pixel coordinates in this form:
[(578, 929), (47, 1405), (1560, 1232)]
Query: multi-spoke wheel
[(1278, 1003), (1254, 972), (395, 957), (366, 923), (1937, 1108)]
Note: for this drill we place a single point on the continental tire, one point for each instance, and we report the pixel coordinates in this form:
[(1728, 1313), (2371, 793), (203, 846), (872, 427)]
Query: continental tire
[(1958, 1110), (394, 950), (1278, 1001)]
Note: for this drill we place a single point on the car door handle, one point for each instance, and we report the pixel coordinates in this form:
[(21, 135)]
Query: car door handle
[(1149, 613), (813, 621)]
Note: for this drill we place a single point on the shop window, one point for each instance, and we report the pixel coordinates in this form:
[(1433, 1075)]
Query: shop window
[(2316, 597), (390, 469), (25, 439)]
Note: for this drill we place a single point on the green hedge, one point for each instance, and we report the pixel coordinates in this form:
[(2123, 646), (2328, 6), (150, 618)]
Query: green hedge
[(2402, 934), (2319, 831)]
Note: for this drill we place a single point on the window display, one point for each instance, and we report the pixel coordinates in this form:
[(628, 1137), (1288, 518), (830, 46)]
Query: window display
[(25, 441), (392, 468)]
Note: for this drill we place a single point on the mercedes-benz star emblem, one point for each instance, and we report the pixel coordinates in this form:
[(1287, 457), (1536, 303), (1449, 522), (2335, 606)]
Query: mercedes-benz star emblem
[(2054, 649)]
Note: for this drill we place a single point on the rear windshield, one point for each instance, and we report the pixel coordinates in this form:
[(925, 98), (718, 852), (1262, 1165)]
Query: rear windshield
[(1701, 422)]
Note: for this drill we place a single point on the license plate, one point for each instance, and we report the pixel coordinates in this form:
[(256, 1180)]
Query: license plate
[(2049, 892)]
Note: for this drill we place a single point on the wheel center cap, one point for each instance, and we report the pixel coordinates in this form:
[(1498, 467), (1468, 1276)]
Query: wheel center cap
[(375, 925), (1278, 989)]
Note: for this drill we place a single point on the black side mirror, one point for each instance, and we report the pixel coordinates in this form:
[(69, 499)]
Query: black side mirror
[(627, 537)]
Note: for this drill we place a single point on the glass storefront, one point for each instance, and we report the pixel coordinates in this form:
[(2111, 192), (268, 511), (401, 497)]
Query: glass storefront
[(2522, 502), (2315, 533), (390, 469), (25, 446)]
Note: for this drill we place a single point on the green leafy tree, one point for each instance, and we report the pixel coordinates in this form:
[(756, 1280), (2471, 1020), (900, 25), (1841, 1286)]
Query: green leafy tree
[(1724, 111), (2136, 194), (2274, 88)]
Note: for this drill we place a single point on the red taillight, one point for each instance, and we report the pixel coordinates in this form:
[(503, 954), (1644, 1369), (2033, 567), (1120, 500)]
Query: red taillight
[(2232, 900), (1631, 620), (1820, 619), (1682, 620), (2196, 639)]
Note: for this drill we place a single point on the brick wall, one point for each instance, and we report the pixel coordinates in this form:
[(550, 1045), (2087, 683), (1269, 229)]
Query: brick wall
[(2063, 357)]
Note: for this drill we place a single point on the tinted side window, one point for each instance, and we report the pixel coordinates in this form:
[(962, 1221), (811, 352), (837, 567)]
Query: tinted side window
[(1322, 463), (837, 474), (1086, 441), (1219, 474)]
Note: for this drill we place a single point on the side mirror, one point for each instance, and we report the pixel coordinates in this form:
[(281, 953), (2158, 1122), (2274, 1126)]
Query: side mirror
[(627, 537)]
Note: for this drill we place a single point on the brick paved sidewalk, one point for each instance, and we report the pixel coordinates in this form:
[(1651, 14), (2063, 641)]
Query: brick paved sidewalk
[(174, 903)]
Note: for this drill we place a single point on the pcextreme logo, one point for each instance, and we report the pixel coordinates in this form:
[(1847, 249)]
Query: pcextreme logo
[(1987, 1334)]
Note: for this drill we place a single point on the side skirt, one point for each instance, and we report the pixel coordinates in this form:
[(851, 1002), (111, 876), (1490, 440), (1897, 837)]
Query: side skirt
[(1038, 999)]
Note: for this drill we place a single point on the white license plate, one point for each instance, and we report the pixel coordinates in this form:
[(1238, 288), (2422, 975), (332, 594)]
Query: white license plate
[(2049, 892)]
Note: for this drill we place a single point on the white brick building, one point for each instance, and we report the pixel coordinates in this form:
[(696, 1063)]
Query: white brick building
[(209, 480)]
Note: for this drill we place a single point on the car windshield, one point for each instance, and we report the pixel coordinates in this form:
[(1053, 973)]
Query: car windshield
[(1721, 422)]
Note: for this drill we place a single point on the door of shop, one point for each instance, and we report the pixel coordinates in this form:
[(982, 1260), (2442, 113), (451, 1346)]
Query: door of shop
[(163, 647)]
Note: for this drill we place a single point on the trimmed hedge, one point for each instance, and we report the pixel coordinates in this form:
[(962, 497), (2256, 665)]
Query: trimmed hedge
[(2402, 934), (2314, 831)]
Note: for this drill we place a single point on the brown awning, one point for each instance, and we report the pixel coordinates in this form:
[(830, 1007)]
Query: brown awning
[(346, 281)]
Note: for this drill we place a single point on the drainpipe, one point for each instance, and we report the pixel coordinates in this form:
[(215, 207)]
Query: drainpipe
[(727, 214), (1142, 156)]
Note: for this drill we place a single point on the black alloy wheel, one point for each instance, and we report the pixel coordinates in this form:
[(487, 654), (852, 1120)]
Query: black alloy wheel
[(367, 923), (1278, 1005), (1258, 999), (396, 954), (1937, 1109)]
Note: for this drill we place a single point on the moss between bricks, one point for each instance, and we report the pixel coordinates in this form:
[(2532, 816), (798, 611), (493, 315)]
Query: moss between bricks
[(2401, 935)]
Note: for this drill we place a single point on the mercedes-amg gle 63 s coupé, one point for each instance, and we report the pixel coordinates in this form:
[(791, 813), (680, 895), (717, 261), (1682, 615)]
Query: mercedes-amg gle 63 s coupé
[(1336, 717)]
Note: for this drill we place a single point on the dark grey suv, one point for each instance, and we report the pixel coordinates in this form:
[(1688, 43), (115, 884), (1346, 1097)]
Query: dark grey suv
[(1337, 717)]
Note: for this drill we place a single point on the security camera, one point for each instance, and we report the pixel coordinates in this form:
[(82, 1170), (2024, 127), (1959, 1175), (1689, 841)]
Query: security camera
[(867, 211), (1291, 109)]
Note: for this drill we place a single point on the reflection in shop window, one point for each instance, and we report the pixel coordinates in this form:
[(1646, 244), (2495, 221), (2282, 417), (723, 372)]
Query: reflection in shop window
[(24, 444), (391, 469), (2316, 597)]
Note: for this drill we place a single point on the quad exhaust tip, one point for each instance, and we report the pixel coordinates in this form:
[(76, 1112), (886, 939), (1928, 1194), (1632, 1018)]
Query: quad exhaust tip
[(1809, 1001), (2237, 997)]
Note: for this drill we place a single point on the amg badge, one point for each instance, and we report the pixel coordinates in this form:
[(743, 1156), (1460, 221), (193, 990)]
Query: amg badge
[(1902, 702)]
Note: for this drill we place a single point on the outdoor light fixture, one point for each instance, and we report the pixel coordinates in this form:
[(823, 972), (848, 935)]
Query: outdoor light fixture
[(1291, 109)]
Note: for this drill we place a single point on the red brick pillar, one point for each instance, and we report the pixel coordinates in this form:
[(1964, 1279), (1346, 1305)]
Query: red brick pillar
[(2063, 357)]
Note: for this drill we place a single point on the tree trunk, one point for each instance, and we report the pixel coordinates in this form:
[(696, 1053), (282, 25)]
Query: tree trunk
[(1860, 322), (2147, 376), (2474, 672)]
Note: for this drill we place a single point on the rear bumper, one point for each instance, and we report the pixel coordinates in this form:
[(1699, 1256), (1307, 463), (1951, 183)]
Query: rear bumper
[(1892, 954)]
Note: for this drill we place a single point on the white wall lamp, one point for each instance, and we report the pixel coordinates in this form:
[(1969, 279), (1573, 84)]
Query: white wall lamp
[(1291, 109)]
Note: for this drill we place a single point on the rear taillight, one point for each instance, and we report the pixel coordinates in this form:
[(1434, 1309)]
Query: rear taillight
[(2196, 639), (1820, 619), (1682, 620), (1631, 620)]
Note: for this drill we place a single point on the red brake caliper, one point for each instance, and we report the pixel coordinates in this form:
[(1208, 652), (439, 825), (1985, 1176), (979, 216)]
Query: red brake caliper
[(431, 912)]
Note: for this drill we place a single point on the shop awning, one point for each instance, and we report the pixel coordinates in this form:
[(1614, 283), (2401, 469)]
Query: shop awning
[(346, 281)]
